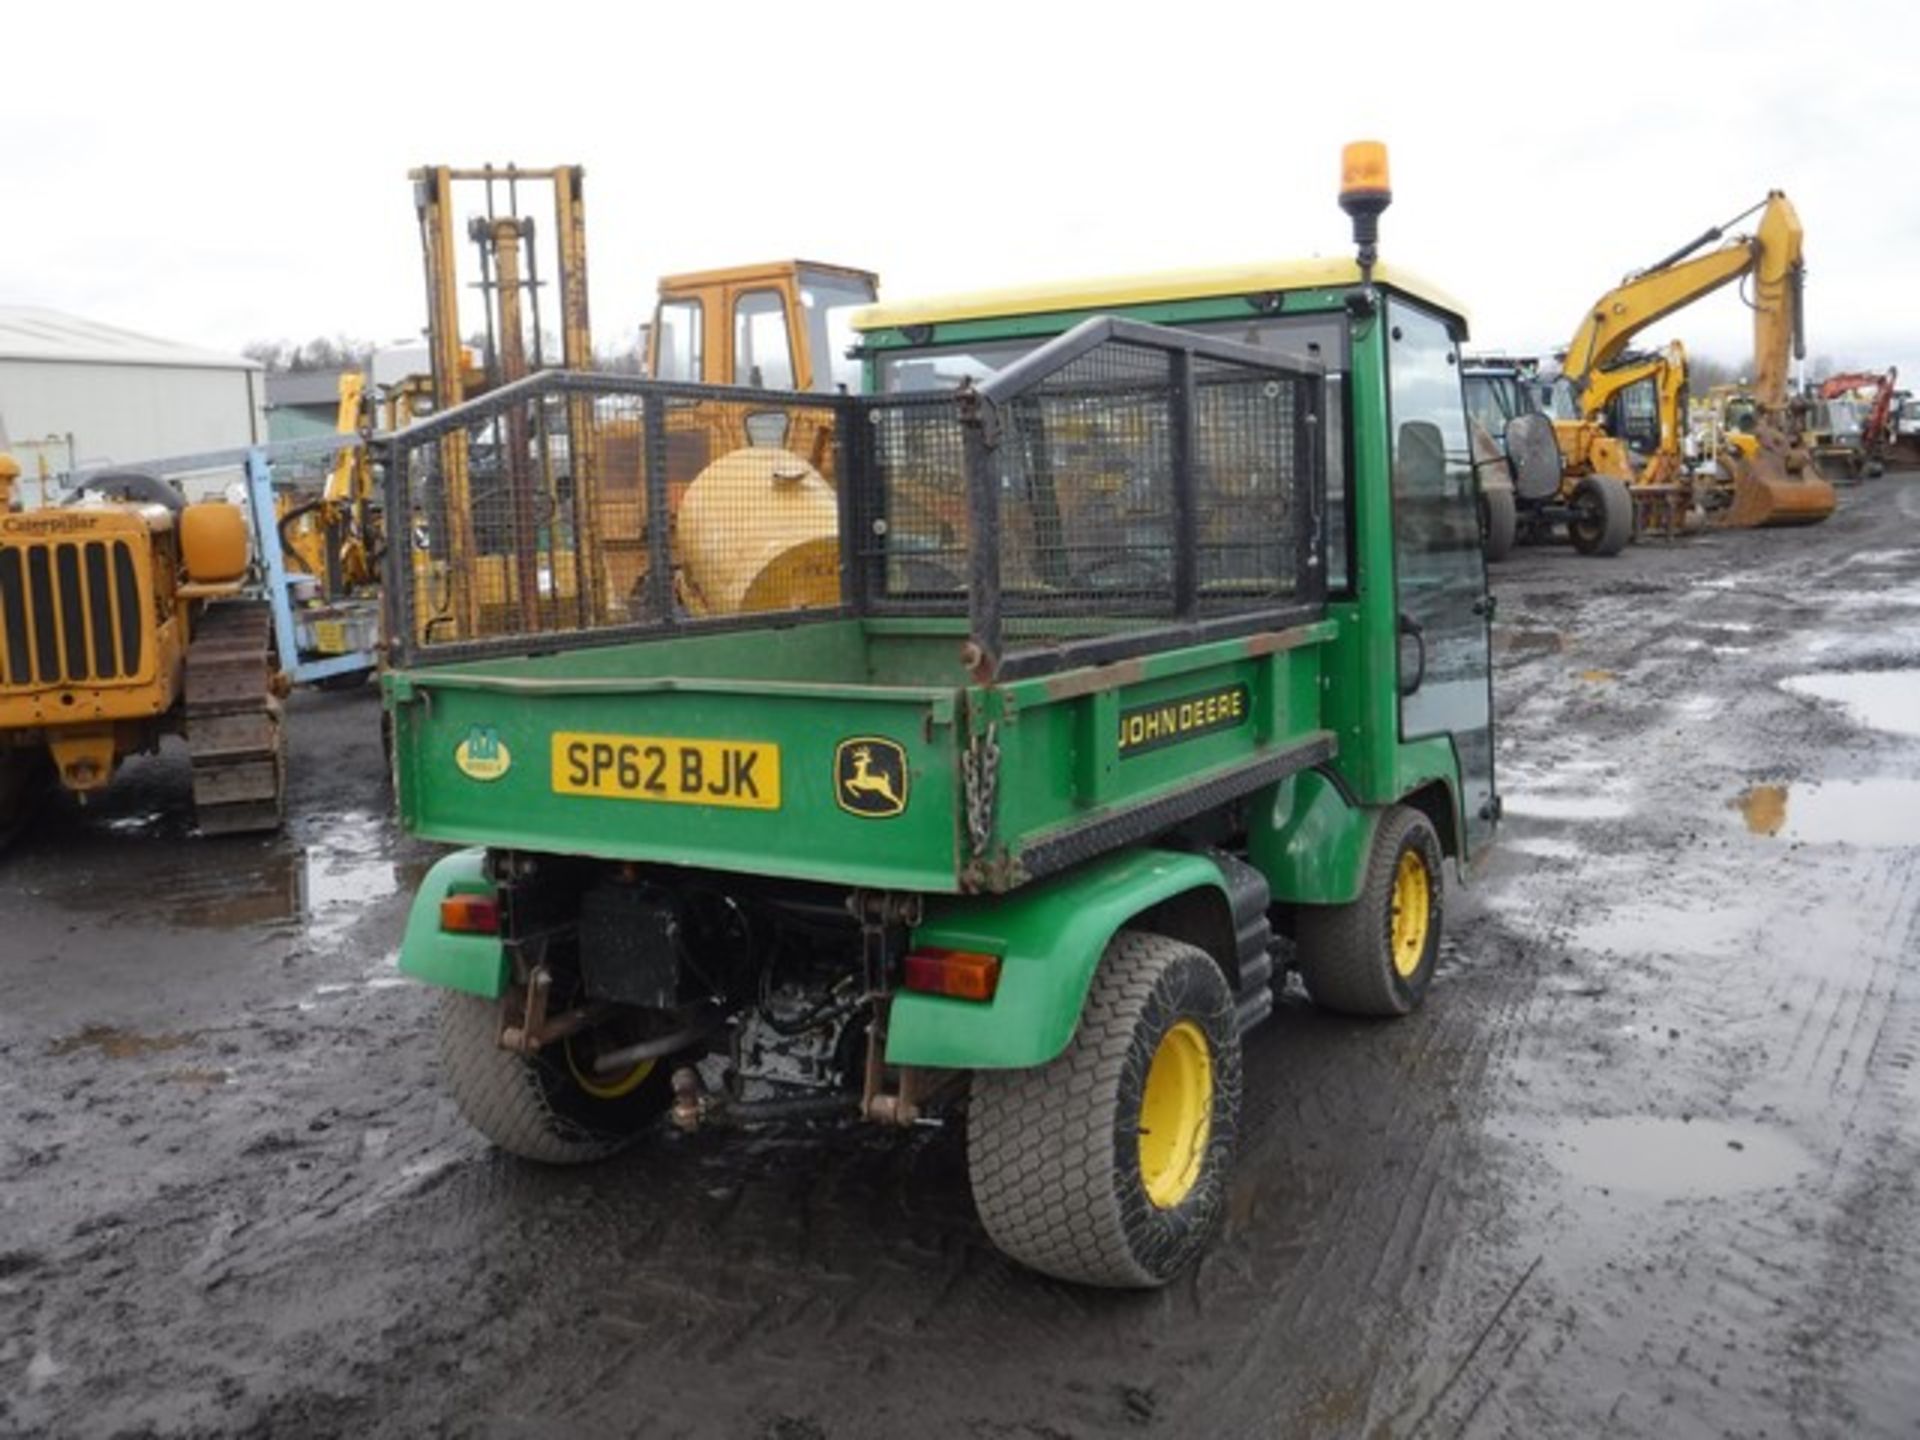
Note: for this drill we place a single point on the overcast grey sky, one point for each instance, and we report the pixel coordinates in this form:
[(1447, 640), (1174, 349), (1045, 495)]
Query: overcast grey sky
[(217, 174)]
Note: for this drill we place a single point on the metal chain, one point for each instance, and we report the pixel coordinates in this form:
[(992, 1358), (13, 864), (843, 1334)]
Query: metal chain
[(980, 770)]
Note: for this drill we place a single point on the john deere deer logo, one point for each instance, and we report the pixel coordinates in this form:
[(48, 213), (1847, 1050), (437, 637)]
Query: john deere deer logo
[(870, 777)]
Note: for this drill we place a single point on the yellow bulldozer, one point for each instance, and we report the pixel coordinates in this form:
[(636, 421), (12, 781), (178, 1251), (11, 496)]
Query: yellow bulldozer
[(125, 616)]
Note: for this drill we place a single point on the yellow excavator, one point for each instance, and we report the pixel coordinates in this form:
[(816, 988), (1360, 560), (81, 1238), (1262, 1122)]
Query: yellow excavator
[(334, 536), (1629, 422), (1777, 483)]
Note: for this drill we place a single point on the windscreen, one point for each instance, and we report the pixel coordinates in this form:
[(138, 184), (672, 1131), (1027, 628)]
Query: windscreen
[(829, 302)]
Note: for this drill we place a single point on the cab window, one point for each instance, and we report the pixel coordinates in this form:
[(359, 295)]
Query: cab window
[(762, 354), (1637, 414), (677, 341), (828, 303)]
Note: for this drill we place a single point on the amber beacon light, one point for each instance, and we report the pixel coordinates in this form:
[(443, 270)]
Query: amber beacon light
[(1364, 194)]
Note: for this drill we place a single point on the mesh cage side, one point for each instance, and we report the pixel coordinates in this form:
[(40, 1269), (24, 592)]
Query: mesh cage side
[(912, 520), (1088, 492), (1251, 474), (601, 506)]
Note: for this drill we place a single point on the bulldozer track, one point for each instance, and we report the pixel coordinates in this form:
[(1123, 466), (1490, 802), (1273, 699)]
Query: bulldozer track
[(233, 720)]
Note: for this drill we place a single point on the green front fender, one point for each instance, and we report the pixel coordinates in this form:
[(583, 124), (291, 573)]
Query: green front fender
[(476, 964), (1049, 936), (1309, 841)]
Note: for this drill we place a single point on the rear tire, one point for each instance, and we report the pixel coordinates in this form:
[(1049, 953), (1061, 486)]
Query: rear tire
[(1376, 956), (1502, 519), (1068, 1176), (1602, 522), (549, 1106)]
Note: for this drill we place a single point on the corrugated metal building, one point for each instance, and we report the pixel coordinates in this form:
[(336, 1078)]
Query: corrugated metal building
[(75, 394)]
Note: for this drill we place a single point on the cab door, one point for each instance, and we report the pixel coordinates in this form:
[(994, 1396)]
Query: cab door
[(1440, 575)]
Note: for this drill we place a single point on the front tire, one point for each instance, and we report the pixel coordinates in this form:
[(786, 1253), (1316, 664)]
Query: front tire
[(1376, 956), (551, 1106), (1108, 1166), (1502, 520), (1602, 522)]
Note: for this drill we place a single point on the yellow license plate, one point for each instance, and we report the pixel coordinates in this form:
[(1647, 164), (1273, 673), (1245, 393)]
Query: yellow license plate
[(741, 774)]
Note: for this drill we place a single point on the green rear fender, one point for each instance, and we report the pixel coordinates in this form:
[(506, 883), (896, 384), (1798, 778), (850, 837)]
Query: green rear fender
[(476, 964), (1049, 935)]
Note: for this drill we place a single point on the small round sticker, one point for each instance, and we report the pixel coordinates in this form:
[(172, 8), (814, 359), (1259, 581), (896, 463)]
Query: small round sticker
[(483, 755)]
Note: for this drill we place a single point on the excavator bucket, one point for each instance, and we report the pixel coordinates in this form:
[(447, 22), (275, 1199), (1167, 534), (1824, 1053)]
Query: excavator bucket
[(1766, 493)]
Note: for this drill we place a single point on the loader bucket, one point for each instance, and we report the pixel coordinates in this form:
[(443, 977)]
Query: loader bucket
[(1766, 493)]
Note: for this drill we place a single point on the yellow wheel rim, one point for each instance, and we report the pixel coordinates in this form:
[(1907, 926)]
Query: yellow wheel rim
[(1176, 1115), (612, 1087), (1412, 913)]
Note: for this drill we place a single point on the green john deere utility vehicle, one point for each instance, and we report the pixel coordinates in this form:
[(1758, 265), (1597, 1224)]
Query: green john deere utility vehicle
[(1126, 647)]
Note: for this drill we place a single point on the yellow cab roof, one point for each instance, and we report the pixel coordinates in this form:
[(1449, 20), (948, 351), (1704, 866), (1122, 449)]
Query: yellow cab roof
[(1116, 292), (764, 270)]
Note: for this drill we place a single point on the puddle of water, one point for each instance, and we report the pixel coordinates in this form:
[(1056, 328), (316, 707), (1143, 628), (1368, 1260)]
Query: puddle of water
[(133, 824), (1877, 814), (1528, 640), (1547, 847), (236, 896), (1881, 557), (117, 1044), (351, 869), (1878, 699), (1564, 807), (1667, 929), (1764, 808), (1670, 1159), (324, 886)]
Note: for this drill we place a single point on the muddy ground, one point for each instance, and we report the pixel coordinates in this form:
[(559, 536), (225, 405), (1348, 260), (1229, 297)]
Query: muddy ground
[(1645, 1165)]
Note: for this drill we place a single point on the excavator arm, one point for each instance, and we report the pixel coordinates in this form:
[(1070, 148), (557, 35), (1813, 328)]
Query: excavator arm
[(1772, 255)]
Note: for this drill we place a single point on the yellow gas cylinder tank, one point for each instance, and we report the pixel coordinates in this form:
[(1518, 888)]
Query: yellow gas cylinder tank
[(759, 530), (213, 542)]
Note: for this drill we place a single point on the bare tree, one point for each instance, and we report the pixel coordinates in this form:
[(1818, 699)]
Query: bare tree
[(338, 352)]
